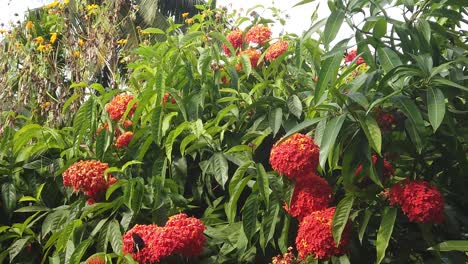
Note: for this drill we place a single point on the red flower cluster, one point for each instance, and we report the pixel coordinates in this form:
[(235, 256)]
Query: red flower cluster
[(295, 156), (235, 38), (254, 55), (314, 236), (181, 235), (352, 55), (189, 230), (385, 120), (286, 258), (166, 98), (95, 260), (88, 176), (258, 34), (117, 107), (124, 139), (388, 170), (421, 201), (276, 49), (310, 195)]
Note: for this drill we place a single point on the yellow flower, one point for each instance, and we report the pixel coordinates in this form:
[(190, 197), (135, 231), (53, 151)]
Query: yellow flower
[(53, 37), (43, 48), (45, 105), (53, 4), (3, 31), (39, 40), (29, 24), (185, 15), (81, 42), (189, 21), (92, 7), (122, 41), (76, 54), (18, 44)]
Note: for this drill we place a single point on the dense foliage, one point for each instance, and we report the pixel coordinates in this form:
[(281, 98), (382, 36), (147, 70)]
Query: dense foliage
[(228, 144)]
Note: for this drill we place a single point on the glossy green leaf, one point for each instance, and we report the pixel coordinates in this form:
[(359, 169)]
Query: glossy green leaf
[(329, 71), (79, 251), (385, 231), (341, 217), (364, 223), (388, 58), (295, 105), (329, 136), (114, 236), (249, 216), (263, 184), (372, 131), (220, 168), (9, 197), (451, 245), (380, 28), (275, 119), (409, 108), (333, 25), (435, 107), (17, 246)]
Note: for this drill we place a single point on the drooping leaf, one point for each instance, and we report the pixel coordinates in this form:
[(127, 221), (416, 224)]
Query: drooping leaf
[(263, 183), (364, 223), (249, 216), (220, 168), (341, 217), (385, 232), (17, 247), (275, 119), (451, 245), (329, 137), (435, 107), (334, 22), (372, 131), (388, 58), (9, 197), (79, 252), (295, 105), (114, 236)]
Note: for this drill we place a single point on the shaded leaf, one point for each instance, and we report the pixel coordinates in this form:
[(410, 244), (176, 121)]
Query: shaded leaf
[(341, 216), (385, 231)]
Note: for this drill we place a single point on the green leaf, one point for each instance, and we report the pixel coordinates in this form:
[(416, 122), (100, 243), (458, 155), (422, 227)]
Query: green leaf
[(220, 168), (425, 29), (66, 233), (153, 31), (444, 82), (329, 71), (17, 247), (451, 245), (8, 197), (372, 131), (380, 28), (249, 216), (388, 58), (332, 26), (156, 124), (220, 37), (275, 119), (385, 231), (190, 37), (301, 126), (246, 65), (409, 108), (435, 107), (365, 222), (295, 105), (263, 183), (231, 206), (114, 236), (414, 135), (329, 137), (341, 217), (79, 251), (303, 2), (172, 137)]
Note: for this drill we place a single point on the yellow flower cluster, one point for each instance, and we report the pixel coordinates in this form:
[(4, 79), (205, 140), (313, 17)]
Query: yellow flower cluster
[(122, 41)]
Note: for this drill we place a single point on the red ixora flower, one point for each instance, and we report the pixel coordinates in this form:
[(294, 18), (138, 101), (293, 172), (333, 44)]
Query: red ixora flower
[(421, 201), (385, 120), (295, 156), (117, 107), (258, 34), (314, 236), (286, 258), (96, 260), (276, 49), (88, 176), (352, 55), (124, 139), (388, 170), (253, 54), (312, 193), (235, 38), (140, 242), (189, 230)]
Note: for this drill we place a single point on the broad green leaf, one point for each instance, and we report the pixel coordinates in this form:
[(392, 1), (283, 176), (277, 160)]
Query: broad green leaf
[(249, 216), (334, 22), (409, 108), (295, 105), (66, 233), (189, 38), (301, 126), (372, 131), (444, 82), (153, 31), (220, 168), (451, 245), (17, 247), (9, 197), (329, 71), (329, 137), (246, 65), (114, 236), (231, 206), (365, 222), (388, 58), (341, 217), (79, 251), (414, 135), (263, 183), (425, 29), (172, 137), (385, 232), (380, 28), (275, 119), (435, 107)]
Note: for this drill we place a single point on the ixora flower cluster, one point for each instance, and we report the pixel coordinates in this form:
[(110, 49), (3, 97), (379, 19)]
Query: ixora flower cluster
[(151, 243), (420, 201), (116, 109), (297, 158), (259, 35), (88, 177)]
